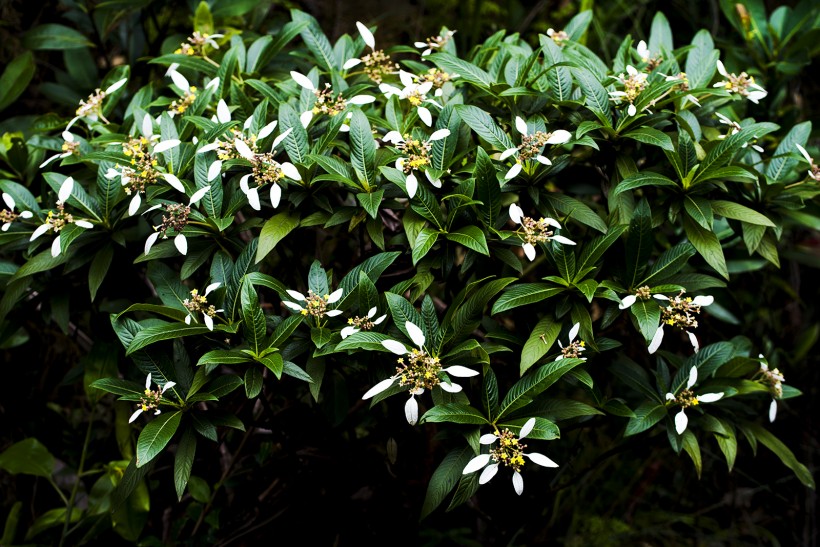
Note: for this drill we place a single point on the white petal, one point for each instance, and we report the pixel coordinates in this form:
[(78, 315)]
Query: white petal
[(213, 84), (333, 313), (371, 312), (507, 153), (450, 388), (253, 199), (393, 137), (693, 377), (559, 136), (710, 397), (335, 296), (516, 213), (281, 137), (440, 134), (55, 246), (26, 214), (805, 154), (223, 114), (134, 206), (721, 68), (214, 170), (208, 148), (460, 372), (296, 295), (425, 116), (476, 463), (84, 224), (302, 80), (305, 118), (294, 307), (631, 70), (656, 340), (681, 421), (693, 340), (772, 410), (378, 388), (167, 386), (660, 297), (43, 228), (563, 240), (65, 189), (541, 460), (543, 160), (188, 319), (513, 172), (670, 396), (51, 159), (367, 36), (115, 86), (9, 201), (415, 334), (290, 171), (521, 125), (573, 332), (406, 78), (412, 184), (631, 110), (275, 195), (489, 438), (267, 130), (347, 331), (703, 300), (396, 347), (424, 88), (181, 243), (518, 483), (135, 415), (166, 145), (389, 90), (628, 301), (199, 194), (529, 251), (175, 183), (380, 319), (361, 99), (212, 287), (350, 63), (209, 321), (243, 149), (243, 183), (488, 473), (643, 50), (526, 429), (180, 81), (411, 410)]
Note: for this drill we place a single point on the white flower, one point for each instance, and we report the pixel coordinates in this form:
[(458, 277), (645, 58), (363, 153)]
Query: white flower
[(643, 51), (68, 146), (416, 156), (772, 379), (325, 101), (8, 216), (58, 221), (633, 84), (315, 305), (643, 293), (742, 84), (814, 170), (687, 398), (574, 349), (369, 40), (419, 371), (355, 324), (510, 453), (735, 128), (199, 304), (151, 399), (415, 93), (529, 143), (534, 231), (680, 313)]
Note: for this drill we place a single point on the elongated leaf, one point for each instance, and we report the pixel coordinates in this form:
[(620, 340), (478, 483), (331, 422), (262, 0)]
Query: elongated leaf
[(274, 231), (184, 460), (156, 435), (651, 136), (152, 335), (737, 211), (444, 478), (707, 245), (454, 413), (253, 320), (488, 191), (527, 388), (639, 180), (524, 293), (363, 150), (540, 341), (466, 71), (484, 126), (558, 77), (471, 237), (646, 415), (29, 457), (15, 78)]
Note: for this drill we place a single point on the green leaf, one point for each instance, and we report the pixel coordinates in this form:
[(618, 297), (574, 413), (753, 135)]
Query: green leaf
[(471, 237), (99, 268), (488, 190), (424, 242), (466, 71), (699, 210), (522, 294), (737, 211), (184, 460), (646, 415), (691, 446), (363, 150), (204, 24), (558, 77), (320, 336), (669, 263), (785, 159), (15, 78), (660, 35), (444, 478), (543, 429), (371, 202), (253, 320), (223, 357), (274, 231), (53, 36), (781, 451), (274, 363), (540, 341), (363, 340), (296, 143), (707, 245), (594, 94), (253, 382), (639, 243), (168, 331), (648, 315), (156, 435), (701, 61), (315, 40), (639, 180), (651, 136), (456, 413), (723, 151), (527, 388), (484, 126), (28, 457)]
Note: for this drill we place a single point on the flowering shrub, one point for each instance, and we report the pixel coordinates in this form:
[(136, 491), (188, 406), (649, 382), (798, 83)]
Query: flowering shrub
[(504, 237)]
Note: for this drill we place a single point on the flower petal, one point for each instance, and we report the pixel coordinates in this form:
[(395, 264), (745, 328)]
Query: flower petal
[(516, 213), (208, 148), (693, 377), (181, 243), (243, 149), (772, 410), (214, 170), (529, 250), (450, 388), (411, 410), (526, 429), (412, 184), (559, 136), (710, 397), (425, 115), (209, 321), (721, 68), (396, 347), (199, 194), (253, 199), (135, 415), (290, 171), (460, 372), (212, 287), (267, 130), (55, 246), (166, 145), (656, 340), (541, 460), (488, 438), (562, 240), (518, 483), (350, 63), (488, 473), (367, 36), (150, 241), (134, 206), (180, 81), (281, 137), (291, 305), (305, 117), (681, 421), (333, 313), (507, 153), (378, 388), (302, 80), (175, 183), (296, 295), (65, 189), (347, 331), (275, 195), (804, 153), (335, 296), (361, 99), (703, 300), (543, 160), (415, 333), (476, 463), (573, 332), (223, 114), (43, 228), (513, 172), (693, 340), (627, 301), (631, 110), (439, 134), (115, 86), (83, 224)]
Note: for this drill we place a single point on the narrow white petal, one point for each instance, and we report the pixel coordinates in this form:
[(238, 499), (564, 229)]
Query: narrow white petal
[(380, 319), (415, 333), (65, 189), (681, 421), (302, 80), (631, 110), (450, 388), (253, 199), (424, 88), (516, 213), (488, 473), (656, 340), (84, 224), (134, 206), (290, 171), (243, 183), (166, 145), (526, 429), (305, 118), (115, 86), (296, 295), (180, 81), (805, 154), (243, 149), (209, 321), (476, 463), (208, 148), (51, 159), (389, 90), (55, 246), (660, 297), (772, 410), (371, 312), (411, 410), (9, 201), (513, 172), (267, 130), (347, 331), (628, 301), (573, 332), (350, 63), (393, 137), (541, 460), (529, 251), (212, 287), (710, 397), (563, 240), (425, 116), (543, 160), (281, 137), (518, 483), (335, 296), (693, 340), (521, 125), (135, 415), (460, 372), (167, 386), (507, 153), (181, 243), (670, 396), (693, 377), (199, 194), (412, 184), (213, 84), (439, 134), (26, 214), (275, 195), (406, 78), (294, 307), (361, 99), (721, 68), (188, 319), (223, 114), (214, 170), (367, 36), (643, 50), (396, 347), (43, 228), (378, 388), (559, 137), (488, 438), (333, 313), (175, 183), (703, 300)]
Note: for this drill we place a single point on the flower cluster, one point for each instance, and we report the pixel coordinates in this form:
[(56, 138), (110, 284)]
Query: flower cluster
[(687, 398), (434, 42), (814, 169), (91, 108), (560, 37), (315, 305), (57, 221), (377, 64), (175, 218), (681, 313), (734, 128), (7, 216), (195, 44), (642, 293), (326, 102), (416, 155), (575, 348), (772, 379), (198, 303), (356, 324), (437, 77), (414, 92), (742, 84), (533, 232), (531, 146), (151, 399), (633, 84), (646, 56)]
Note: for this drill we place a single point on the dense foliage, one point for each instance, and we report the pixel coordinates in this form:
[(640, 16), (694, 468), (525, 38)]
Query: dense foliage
[(429, 264)]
